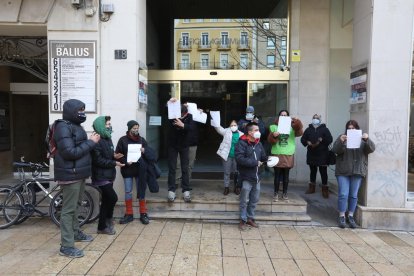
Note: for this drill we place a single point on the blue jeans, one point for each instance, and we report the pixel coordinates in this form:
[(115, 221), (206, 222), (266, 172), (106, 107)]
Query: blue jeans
[(348, 192), (249, 197), (128, 182)]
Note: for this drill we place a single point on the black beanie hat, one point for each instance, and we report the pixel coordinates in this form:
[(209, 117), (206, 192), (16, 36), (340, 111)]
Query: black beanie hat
[(131, 124)]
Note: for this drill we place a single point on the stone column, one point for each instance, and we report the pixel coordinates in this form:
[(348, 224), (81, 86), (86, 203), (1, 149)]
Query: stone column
[(382, 43)]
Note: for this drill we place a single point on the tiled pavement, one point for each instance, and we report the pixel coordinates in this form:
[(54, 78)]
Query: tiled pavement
[(167, 247)]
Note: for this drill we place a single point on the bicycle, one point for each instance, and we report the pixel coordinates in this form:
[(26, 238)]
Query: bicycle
[(19, 202)]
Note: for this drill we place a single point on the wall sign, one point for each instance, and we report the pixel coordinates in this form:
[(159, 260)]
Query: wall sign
[(72, 73), (142, 87), (359, 86)]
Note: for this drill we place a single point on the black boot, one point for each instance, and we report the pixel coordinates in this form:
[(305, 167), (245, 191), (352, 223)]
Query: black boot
[(126, 219), (236, 183), (144, 218)]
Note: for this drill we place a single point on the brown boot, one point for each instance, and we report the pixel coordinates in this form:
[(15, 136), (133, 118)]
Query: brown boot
[(311, 189), (226, 191), (325, 191)]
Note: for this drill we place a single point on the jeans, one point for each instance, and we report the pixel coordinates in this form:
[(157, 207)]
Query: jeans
[(323, 170), (69, 224), (348, 192), (109, 199), (229, 166), (192, 152), (249, 197), (281, 174), (128, 182), (172, 166)]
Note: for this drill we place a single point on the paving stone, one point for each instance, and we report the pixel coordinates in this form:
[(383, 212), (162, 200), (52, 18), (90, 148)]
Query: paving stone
[(269, 232), (108, 263), (81, 266), (230, 231), (211, 230), (407, 268), (361, 268), (308, 233), (387, 269), (254, 248), (336, 268), (166, 245), (299, 250), (209, 265), (184, 264), (369, 254), (286, 267), (322, 251), (54, 264), (328, 235), (407, 237), (311, 267), (133, 263), (233, 248), (390, 239), (210, 247), (407, 251), (251, 234), (277, 249), (154, 228), (158, 265), (348, 236), (133, 228), (192, 229), (345, 252), (144, 244), (260, 266), (236, 266), (392, 255), (370, 238), (122, 243), (172, 228), (31, 262), (288, 233)]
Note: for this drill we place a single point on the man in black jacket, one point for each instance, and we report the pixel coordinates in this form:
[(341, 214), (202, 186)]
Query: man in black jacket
[(72, 165), (250, 155)]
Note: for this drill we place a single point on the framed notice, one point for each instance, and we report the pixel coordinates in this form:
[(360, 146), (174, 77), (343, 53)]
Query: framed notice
[(358, 86), (72, 72)]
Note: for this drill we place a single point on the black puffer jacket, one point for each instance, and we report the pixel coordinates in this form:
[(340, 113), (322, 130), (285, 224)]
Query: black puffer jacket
[(132, 170), (180, 137), (248, 155), (103, 161), (73, 159), (318, 155)]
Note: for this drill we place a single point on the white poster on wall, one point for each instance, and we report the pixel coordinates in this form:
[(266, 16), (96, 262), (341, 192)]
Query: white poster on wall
[(72, 73)]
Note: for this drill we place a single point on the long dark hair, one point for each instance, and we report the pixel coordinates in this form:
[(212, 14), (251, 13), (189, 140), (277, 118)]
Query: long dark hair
[(351, 122), (287, 112)]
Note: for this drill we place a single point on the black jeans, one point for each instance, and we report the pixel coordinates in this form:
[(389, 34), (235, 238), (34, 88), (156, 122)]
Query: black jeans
[(281, 173), (109, 199), (323, 170), (172, 165)]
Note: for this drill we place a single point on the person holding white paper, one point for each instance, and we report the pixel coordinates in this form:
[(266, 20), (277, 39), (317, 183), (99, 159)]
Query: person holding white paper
[(231, 136), (134, 169), (351, 168), (284, 147)]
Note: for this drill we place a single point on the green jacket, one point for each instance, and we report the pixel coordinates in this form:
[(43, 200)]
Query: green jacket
[(352, 161)]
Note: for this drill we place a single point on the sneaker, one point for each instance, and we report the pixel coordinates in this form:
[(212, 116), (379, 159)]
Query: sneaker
[(144, 218), (275, 197), (352, 222), (82, 237), (285, 197), (70, 252), (126, 219), (110, 224), (107, 231), (187, 196), (341, 222), (252, 223), (226, 191), (242, 225), (171, 196)]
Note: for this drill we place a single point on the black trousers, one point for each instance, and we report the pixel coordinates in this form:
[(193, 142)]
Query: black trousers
[(281, 173), (109, 199), (323, 171), (172, 165)]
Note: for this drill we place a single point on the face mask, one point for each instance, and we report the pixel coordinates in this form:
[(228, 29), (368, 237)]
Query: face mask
[(233, 128), (135, 132), (316, 121), (109, 129), (82, 116), (249, 116), (257, 135)]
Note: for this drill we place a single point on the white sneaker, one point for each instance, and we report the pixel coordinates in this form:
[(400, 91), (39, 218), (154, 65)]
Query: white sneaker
[(187, 196), (275, 197), (171, 196)]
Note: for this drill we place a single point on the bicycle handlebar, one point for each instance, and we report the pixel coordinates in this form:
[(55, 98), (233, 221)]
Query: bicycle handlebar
[(35, 166)]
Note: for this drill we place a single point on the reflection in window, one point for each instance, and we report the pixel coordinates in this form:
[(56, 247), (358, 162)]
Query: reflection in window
[(204, 61), (185, 61), (244, 61), (270, 42), (270, 61)]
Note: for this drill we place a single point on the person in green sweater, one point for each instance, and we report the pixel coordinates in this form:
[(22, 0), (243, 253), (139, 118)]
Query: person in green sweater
[(283, 146)]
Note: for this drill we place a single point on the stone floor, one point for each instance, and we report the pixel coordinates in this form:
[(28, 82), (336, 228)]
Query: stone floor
[(167, 247)]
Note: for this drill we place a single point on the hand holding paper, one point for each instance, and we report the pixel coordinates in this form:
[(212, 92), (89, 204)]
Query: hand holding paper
[(134, 153), (353, 138)]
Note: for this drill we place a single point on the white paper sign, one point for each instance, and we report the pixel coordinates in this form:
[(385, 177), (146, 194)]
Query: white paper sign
[(192, 108), (200, 117), (353, 138), (174, 109), (134, 152), (215, 118), (155, 120), (284, 125)]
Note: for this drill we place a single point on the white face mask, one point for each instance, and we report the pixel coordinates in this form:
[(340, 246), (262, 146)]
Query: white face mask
[(257, 135), (316, 121), (233, 128), (249, 116)]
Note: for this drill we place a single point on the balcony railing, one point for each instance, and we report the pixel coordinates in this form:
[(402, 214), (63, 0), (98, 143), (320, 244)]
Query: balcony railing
[(244, 45), (214, 65), (223, 46), (185, 66), (204, 46), (184, 46)]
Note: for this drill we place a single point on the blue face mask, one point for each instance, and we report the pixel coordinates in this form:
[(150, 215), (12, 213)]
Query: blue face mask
[(316, 121)]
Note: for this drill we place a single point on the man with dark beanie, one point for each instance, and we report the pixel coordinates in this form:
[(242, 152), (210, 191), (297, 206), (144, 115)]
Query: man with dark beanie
[(72, 165), (133, 170)]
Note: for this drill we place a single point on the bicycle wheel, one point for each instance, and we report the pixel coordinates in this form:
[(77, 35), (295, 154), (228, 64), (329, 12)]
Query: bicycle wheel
[(11, 204), (85, 208), (29, 196), (96, 195)]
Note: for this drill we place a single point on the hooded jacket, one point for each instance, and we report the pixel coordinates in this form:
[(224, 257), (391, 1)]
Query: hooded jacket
[(317, 155), (103, 162), (247, 156), (73, 159)]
